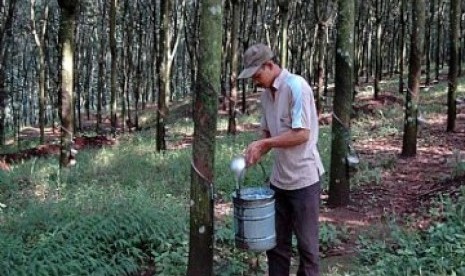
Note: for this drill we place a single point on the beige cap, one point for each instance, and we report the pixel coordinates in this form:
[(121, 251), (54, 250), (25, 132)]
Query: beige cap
[(254, 58)]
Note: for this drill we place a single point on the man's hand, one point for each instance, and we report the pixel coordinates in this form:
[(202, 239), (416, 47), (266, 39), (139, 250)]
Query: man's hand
[(290, 138), (255, 151)]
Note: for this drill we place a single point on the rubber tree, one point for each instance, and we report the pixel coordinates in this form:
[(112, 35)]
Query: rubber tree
[(203, 149), (102, 53), (454, 40), (439, 36), (339, 185), (66, 44), (165, 74), (236, 20), (322, 10), (378, 34), (284, 18), (39, 37), (168, 51), (412, 97), (403, 26), (6, 21), (429, 26), (113, 100)]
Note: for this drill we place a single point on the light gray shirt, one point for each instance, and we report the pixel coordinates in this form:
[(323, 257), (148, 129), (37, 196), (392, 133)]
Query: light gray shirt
[(292, 108)]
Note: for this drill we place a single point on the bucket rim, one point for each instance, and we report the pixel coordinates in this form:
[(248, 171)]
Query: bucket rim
[(264, 192)]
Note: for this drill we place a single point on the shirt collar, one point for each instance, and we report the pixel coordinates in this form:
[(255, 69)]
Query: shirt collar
[(279, 79)]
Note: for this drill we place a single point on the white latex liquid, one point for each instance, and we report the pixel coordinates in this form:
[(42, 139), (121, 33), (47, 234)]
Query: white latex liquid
[(238, 167)]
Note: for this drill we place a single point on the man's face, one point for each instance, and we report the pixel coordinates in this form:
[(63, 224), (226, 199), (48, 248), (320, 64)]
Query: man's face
[(262, 78)]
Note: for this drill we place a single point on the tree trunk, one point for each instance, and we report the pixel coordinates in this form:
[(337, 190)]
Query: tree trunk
[(369, 67), (164, 82), (205, 119), (39, 36), (168, 51), (113, 105), (379, 31), (66, 40), (403, 23), (454, 40), (101, 71), (284, 12), (409, 146), (339, 186), (5, 32), (236, 8), (322, 28), (228, 25), (438, 39), (428, 44)]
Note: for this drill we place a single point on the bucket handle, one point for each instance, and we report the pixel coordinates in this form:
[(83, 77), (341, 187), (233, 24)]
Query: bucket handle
[(265, 176)]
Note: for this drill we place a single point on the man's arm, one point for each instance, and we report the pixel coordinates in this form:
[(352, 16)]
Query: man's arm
[(289, 138)]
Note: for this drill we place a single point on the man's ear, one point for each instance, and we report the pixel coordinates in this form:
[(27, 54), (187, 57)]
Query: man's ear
[(268, 64)]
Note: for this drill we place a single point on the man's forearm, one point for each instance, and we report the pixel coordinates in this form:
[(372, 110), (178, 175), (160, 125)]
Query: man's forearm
[(288, 139)]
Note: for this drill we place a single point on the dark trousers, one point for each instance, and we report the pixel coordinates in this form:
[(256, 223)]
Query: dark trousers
[(296, 212)]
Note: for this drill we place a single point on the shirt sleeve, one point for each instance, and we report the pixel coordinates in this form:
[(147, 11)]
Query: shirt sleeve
[(297, 103), (263, 122)]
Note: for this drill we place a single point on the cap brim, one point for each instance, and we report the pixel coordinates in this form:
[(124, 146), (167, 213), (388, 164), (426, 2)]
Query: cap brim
[(248, 72)]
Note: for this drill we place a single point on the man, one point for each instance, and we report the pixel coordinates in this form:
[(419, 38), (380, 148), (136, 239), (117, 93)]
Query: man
[(290, 127)]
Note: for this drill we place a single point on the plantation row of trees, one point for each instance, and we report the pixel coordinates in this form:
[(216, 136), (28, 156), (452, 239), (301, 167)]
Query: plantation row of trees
[(129, 54), (60, 61)]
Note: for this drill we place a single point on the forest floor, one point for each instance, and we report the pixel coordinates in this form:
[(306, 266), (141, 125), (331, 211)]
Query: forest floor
[(405, 188)]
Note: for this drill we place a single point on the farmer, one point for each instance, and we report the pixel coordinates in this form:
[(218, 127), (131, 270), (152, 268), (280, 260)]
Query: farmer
[(289, 125)]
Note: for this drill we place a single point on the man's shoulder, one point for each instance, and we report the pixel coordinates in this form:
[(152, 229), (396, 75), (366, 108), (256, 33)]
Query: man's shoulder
[(297, 83), (292, 78)]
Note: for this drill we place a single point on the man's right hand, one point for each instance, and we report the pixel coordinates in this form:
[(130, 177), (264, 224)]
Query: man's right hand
[(255, 151)]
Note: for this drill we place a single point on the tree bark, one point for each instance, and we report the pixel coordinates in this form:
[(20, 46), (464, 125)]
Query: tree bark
[(205, 119), (164, 83), (403, 23), (428, 44), (39, 37), (66, 41), (409, 145), (236, 8), (454, 40), (378, 34), (284, 12), (168, 52), (101, 70), (113, 100), (322, 29), (339, 185), (437, 53), (5, 32)]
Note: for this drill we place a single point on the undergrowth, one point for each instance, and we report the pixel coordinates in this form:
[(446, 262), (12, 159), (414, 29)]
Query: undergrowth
[(438, 250), (233, 261), (123, 236), (122, 210)]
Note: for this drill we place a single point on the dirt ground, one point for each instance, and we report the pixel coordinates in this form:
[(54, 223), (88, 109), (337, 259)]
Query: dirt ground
[(405, 185)]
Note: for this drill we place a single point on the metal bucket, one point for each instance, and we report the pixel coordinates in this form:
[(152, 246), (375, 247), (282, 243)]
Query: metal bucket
[(254, 219)]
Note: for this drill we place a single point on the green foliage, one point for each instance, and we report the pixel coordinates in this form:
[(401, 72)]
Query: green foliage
[(458, 164), (123, 210), (230, 260), (330, 236), (117, 237), (233, 261), (437, 251), (366, 174)]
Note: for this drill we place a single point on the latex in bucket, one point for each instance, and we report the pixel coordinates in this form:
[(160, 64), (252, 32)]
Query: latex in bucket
[(254, 219)]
